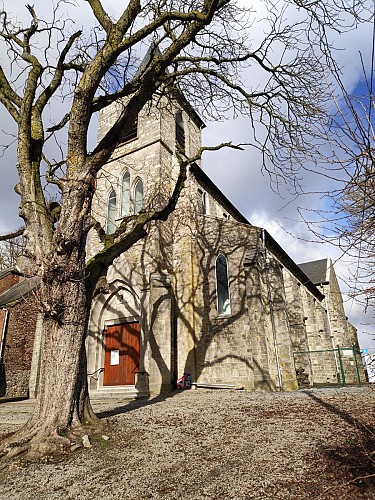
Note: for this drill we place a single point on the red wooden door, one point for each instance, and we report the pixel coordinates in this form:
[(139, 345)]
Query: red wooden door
[(121, 360)]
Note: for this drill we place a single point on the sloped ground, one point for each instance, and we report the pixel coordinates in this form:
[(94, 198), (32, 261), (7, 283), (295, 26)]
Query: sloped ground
[(203, 444)]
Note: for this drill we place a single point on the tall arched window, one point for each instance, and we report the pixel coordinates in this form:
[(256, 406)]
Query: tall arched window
[(180, 130), (202, 206), (138, 196), (111, 214), (222, 286), (125, 197)]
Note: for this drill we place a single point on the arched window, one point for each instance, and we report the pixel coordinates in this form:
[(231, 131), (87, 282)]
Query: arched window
[(180, 131), (138, 196), (202, 206), (125, 198), (222, 286), (111, 215)]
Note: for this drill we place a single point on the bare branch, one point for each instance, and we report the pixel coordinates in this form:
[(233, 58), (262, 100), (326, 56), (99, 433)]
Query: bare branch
[(129, 16), (59, 73), (11, 236), (101, 15), (60, 125), (8, 97)]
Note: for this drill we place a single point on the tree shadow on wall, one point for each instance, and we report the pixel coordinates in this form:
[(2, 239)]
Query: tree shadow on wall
[(134, 277), (223, 349), (215, 348)]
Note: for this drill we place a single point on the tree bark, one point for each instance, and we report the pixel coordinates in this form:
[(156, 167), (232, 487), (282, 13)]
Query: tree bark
[(62, 408)]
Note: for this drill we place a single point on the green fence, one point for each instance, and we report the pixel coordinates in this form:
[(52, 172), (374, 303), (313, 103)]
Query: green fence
[(329, 366)]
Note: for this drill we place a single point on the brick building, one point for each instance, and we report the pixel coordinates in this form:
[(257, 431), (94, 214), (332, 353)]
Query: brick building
[(18, 325)]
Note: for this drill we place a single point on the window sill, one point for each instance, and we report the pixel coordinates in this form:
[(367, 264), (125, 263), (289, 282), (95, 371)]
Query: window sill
[(223, 316), (127, 141)]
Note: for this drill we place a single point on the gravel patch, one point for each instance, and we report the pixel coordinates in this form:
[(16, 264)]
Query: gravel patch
[(221, 444)]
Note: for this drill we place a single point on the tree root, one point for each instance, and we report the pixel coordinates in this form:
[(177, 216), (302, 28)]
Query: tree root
[(31, 444), (52, 435)]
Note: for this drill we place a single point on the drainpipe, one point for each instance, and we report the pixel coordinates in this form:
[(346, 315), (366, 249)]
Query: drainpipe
[(332, 340), (3, 334), (193, 297), (274, 333)]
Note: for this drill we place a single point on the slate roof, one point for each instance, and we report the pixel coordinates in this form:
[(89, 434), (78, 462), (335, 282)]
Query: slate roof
[(7, 271), (316, 270), (250, 256), (297, 270), (19, 291), (152, 51), (212, 189)]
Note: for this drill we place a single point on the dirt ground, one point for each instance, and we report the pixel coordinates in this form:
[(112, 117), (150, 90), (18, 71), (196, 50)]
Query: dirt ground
[(221, 444)]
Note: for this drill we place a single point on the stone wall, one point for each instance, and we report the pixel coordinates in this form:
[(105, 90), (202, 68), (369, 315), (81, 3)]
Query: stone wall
[(238, 348), (343, 333), (223, 343), (257, 307), (172, 273), (161, 355), (298, 333), (324, 327), (337, 316), (148, 157), (17, 383), (279, 340)]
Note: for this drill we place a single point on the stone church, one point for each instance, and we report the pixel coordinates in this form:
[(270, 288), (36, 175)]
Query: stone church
[(205, 293)]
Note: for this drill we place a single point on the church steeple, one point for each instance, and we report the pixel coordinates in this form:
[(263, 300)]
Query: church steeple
[(152, 51)]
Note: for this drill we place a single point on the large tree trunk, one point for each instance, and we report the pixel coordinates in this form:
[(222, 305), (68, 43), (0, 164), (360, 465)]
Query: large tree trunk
[(62, 407)]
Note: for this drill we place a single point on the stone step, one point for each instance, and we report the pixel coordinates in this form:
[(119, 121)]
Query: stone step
[(117, 392)]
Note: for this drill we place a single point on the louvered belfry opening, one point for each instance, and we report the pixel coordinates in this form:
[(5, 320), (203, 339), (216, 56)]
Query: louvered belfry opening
[(180, 131)]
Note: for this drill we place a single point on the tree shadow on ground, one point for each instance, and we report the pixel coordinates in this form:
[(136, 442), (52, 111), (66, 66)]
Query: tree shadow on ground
[(355, 457), (136, 404)]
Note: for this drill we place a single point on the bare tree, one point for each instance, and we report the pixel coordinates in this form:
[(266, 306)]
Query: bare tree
[(348, 222), (204, 48), (10, 250), (356, 202)]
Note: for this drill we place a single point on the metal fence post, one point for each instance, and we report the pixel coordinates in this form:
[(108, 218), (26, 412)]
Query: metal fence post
[(356, 363), (341, 366)]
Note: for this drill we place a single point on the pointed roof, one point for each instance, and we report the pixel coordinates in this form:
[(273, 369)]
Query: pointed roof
[(316, 270), (152, 51)]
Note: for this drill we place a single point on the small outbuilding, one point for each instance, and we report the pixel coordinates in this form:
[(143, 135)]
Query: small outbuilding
[(19, 315)]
